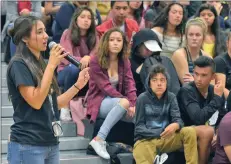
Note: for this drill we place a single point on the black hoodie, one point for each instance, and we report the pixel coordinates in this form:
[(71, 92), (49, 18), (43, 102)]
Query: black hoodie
[(153, 115), (136, 59)]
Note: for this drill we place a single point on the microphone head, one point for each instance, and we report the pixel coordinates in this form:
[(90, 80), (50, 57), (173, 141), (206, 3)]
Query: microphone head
[(51, 44)]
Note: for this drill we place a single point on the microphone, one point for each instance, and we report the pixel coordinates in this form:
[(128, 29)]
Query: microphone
[(68, 57)]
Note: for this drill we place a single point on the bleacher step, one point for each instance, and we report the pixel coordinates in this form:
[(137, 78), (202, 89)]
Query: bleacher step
[(73, 157), (80, 157), (7, 111), (5, 97), (66, 143), (69, 128)]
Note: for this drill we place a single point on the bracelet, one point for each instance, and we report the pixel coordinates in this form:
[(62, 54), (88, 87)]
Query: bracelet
[(76, 87)]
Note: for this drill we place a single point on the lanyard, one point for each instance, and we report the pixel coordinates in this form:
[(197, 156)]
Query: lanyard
[(54, 105)]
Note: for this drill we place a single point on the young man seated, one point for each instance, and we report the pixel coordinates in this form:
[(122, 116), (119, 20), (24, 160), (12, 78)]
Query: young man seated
[(198, 101), (158, 125), (119, 10)]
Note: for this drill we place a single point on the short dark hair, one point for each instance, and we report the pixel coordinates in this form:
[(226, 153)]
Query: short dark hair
[(113, 2), (158, 68), (205, 61)]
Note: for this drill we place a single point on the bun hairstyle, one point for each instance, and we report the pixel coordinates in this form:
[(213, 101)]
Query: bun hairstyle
[(22, 28)]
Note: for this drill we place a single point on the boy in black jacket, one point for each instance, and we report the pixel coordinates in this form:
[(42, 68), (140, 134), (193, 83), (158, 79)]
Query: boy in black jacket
[(158, 122), (198, 101)]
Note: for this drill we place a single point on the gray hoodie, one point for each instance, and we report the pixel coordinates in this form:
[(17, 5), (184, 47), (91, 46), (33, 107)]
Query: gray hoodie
[(153, 115)]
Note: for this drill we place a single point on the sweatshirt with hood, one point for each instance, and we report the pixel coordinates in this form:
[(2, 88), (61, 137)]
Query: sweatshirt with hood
[(153, 115), (136, 58)]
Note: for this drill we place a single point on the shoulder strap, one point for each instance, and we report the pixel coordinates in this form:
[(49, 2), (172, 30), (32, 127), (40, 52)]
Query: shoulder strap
[(200, 54), (188, 54)]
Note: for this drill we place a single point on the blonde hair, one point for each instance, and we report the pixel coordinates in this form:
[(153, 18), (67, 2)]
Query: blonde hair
[(196, 22)]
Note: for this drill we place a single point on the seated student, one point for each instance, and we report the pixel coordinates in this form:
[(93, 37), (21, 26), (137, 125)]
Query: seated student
[(80, 41), (148, 18), (223, 64), (213, 43), (183, 58), (158, 126), (112, 92), (119, 10), (156, 58), (198, 101), (145, 42), (135, 12), (51, 8), (64, 16), (169, 27)]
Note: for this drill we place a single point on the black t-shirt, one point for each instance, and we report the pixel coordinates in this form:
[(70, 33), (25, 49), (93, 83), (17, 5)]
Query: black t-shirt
[(31, 126), (223, 65)]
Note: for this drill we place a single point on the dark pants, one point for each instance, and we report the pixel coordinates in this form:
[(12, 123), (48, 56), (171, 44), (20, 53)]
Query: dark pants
[(68, 77)]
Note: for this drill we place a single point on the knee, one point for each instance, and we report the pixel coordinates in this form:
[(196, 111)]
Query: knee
[(124, 103), (72, 71), (205, 132), (189, 132)]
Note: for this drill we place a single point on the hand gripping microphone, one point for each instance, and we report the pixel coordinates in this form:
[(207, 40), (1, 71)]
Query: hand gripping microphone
[(68, 57)]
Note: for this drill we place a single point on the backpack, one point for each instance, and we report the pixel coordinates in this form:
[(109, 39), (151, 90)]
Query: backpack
[(173, 82)]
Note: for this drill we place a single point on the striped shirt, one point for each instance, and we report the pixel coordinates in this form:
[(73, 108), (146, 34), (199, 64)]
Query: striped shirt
[(170, 44)]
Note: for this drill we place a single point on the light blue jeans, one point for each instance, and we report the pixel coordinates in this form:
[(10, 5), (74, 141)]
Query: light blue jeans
[(28, 154), (111, 110)]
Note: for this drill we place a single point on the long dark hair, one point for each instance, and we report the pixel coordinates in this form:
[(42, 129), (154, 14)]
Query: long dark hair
[(215, 28), (103, 49), (22, 29), (75, 30), (162, 21), (138, 13)]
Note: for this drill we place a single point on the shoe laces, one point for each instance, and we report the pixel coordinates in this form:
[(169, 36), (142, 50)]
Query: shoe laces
[(103, 145)]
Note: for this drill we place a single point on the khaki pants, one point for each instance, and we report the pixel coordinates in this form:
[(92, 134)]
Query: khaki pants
[(145, 150)]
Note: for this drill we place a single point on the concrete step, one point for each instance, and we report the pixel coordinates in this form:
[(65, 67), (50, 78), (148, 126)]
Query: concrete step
[(4, 67), (5, 98), (66, 143), (69, 128), (4, 83), (7, 111), (74, 157), (80, 157)]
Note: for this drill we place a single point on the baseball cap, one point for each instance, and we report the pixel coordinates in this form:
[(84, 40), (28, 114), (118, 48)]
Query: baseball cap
[(152, 45)]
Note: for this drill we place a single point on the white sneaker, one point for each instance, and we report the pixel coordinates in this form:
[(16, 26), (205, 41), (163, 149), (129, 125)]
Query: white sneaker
[(65, 115), (100, 148)]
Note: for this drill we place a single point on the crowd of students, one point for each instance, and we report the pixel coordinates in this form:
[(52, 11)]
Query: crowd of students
[(153, 64)]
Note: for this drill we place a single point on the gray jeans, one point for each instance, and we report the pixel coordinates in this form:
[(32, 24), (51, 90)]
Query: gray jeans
[(112, 112)]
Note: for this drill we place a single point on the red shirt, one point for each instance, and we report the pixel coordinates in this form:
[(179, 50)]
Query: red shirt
[(131, 27), (24, 5)]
